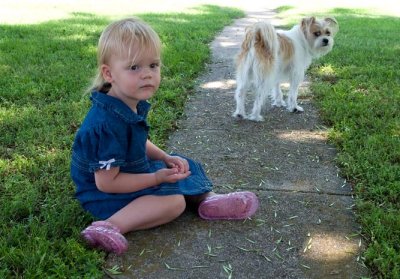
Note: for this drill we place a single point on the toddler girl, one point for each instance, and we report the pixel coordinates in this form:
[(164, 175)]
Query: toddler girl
[(122, 178)]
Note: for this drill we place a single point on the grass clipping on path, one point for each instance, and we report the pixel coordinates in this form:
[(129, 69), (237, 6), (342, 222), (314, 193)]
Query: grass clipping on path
[(45, 69)]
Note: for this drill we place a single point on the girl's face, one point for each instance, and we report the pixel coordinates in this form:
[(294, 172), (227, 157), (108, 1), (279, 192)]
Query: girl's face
[(132, 83)]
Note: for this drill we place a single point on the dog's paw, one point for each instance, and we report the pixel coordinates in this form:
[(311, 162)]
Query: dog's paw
[(296, 109), (239, 115), (279, 104), (257, 118)]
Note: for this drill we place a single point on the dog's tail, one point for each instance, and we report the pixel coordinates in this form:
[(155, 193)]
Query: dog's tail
[(266, 45), (263, 40)]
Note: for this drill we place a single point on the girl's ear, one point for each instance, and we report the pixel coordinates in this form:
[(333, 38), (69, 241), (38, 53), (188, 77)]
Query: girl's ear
[(106, 73)]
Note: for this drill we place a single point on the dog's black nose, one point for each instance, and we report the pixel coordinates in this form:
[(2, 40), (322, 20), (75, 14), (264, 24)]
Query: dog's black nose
[(325, 42)]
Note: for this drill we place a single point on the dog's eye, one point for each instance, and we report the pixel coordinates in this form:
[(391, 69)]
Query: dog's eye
[(328, 33), (317, 34)]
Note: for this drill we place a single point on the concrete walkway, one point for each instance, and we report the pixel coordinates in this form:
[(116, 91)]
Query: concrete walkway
[(305, 227)]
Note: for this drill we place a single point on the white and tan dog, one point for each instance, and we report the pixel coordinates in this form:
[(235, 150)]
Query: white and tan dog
[(269, 57)]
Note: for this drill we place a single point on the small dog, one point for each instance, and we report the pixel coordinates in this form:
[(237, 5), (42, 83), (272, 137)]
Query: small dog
[(269, 57)]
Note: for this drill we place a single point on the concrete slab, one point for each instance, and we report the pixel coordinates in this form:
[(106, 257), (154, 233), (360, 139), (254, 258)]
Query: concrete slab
[(293, 235)]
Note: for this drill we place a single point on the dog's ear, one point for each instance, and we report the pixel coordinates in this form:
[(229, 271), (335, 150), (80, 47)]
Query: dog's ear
[(333, 24), (306, 23)]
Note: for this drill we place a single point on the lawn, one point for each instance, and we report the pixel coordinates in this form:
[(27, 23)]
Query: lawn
[(44, 71), (357, 89), (45, 68)]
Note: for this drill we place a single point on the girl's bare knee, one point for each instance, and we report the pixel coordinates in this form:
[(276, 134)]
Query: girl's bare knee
[(177, 205)]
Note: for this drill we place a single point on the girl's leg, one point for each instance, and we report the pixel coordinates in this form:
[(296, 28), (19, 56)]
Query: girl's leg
[(142, 213), (147, 212)]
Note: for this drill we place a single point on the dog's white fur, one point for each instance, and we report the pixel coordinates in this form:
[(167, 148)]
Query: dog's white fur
[(269, 57)]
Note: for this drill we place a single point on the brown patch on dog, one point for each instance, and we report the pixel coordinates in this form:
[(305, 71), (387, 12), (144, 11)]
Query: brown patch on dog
[(264, 42), (262, 38), (246, 44), (286, 49), (263, 50), (316, 28)]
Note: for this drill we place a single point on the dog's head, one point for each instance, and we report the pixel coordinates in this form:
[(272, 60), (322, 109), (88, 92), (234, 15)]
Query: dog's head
[(319, 34)]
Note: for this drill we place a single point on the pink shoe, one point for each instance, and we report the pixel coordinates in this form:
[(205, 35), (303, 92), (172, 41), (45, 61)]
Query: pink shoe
[(106, 236), (232, 206), (92, 242)]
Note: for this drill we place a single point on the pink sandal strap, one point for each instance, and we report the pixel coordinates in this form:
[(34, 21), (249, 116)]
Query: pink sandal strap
[(232, 206), (106, 224)]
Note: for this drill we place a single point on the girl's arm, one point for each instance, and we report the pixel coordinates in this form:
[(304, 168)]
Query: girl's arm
[(114, 181), (155, 153)]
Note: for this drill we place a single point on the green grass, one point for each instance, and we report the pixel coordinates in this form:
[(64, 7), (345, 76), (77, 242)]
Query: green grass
[(357, 88), (44, 70)]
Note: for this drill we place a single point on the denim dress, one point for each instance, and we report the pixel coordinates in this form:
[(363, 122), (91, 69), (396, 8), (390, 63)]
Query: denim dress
[(113, 135)]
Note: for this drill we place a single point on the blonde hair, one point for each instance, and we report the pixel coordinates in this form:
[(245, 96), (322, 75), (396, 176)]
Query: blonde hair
[(118, 39)]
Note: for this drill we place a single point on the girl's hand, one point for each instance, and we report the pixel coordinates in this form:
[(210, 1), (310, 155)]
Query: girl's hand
[(177, 162), (170, 175)]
